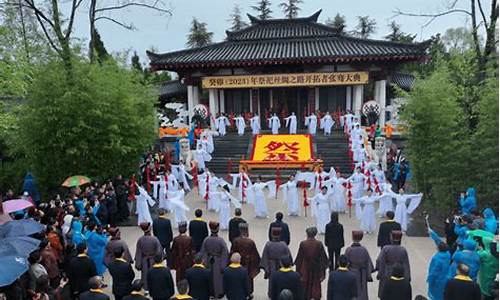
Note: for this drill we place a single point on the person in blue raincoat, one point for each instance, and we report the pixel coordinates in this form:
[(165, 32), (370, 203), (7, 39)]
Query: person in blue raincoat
[(96, 243), (76, 232), (490, 221), (467, 256), (468, 202), (438, 268), (29, 186)]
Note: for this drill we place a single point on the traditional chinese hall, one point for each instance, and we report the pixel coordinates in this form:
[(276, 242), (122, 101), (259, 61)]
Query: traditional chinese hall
[(289, 65)]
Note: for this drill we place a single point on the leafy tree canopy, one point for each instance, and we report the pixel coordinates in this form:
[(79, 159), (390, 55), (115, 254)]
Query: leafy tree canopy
[(198, 35)]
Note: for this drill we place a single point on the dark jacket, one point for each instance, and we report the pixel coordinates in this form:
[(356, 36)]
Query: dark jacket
[(334, 235), (236, 283), (160, 282), (286, 280), (198, 231), (234, 229), (285, 232), (200, 284), (342, 285), (457, 289), (384, 232), (82, 268), (396, 289), (94, 295), (162, 229), (122, 273), (135, 297)]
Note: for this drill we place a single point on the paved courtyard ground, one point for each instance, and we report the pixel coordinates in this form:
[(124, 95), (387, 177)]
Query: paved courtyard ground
[(420, 249)]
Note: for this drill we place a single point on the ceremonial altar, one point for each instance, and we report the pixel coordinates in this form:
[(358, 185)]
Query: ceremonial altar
[(281, 151)]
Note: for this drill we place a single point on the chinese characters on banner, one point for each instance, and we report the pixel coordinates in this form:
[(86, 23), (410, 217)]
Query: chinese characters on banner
[(284, 80), (282, 151)]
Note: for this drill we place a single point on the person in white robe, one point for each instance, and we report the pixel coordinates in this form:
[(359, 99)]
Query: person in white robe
[(201, 156), (311, 123), (326, 123), (182, 175), (342, 120), (348, 118), (379, 175), (274, 123), (321, 209), (257, 197), (163, 195), (291, 123), (337, 198), (240, 124), (368, 219), (402, 210), (242, 182), (179, 206), (359, 155), (357, 180), (143, 202), (172, 183), (224, 208), (255, 124), (385, 202), (221, 123), (290, 195)]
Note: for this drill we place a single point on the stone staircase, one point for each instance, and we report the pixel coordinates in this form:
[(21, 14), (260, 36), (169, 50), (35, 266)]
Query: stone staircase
[(333, 151)]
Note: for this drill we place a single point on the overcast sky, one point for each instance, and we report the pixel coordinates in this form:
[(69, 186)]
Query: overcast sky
[(169, 33)]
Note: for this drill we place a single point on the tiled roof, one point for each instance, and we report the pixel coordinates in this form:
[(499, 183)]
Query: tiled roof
[(172, 88), (286, 41), (404, 81)]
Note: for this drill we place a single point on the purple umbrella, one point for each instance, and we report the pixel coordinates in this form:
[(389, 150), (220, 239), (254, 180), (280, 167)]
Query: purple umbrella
[(15, 205)]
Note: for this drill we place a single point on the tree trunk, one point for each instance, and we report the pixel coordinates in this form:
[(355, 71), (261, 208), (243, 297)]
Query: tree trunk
[(63, 41), (92, 30)]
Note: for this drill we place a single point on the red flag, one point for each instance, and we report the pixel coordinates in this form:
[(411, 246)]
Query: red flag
[(349, 197), (167, 159), (277, 181), (194, 173), (243, 189), (148, 179), (207, 188)]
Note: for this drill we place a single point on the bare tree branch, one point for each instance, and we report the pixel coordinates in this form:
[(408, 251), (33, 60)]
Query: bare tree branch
[(475, 36), (150, 6), (74, 6), (31, 4), (483, 15), (129, 27)]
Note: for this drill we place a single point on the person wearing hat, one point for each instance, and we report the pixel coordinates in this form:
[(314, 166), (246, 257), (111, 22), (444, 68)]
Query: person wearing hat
[(235, 278), (215, 257), (137, 292), (273, 251), (114, 243), (182, 253), (199, 279), (397, 286), (147, 248), (250, 258), (360, 263), (122, 273), (159, 279), (311, 263), (198, 229), (389, 257)]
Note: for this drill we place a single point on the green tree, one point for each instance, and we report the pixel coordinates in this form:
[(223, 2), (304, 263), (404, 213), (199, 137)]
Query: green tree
[(136, 63), (365, 27), (438, 147), (97, 126), (198, 35), (291, 8), (263, 8), (397, 35), (99, 49), (338, 24), (458, 40), (237, 22)]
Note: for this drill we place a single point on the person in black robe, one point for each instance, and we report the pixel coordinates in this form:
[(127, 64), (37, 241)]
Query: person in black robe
[(112, 206), (182, 288), (360, 264), (95, 292), (121, 198), (159, 279), (234, 223), (462, 287), (285, 231), (81, 269), (122, 273), (235, 279), (385, 229), (342, 282), (397, 287), (198, 230), (137, 293), (162, 229), (334, 239), (199, 279), (286, 279)]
